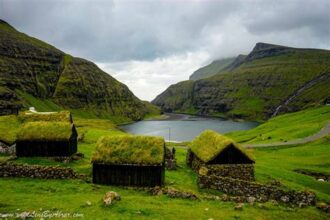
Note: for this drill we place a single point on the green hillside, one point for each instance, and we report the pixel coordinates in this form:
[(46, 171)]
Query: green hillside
[(286, 127), (33, 73), (211, 69), (269, 76)]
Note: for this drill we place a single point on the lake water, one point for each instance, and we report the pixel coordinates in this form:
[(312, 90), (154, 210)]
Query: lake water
[(184, 127)]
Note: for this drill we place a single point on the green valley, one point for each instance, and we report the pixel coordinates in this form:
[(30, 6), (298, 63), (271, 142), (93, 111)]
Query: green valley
[(84, 198), (246, 136)]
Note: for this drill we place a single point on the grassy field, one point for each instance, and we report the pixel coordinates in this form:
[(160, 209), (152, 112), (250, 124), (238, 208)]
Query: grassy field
[(286, 127), (71, 196)]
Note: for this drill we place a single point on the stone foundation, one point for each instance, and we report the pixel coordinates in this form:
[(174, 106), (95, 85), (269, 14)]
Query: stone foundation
[(7, 148), (236, 171), (36, 171), (261, 192)]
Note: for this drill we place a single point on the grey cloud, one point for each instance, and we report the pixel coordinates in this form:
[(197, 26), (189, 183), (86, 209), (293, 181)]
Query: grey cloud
[(154, 43), (281, 16), (109, 31), (118, 30)]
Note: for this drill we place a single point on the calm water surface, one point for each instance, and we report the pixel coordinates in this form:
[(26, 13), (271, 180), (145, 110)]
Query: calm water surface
[(184, 127)]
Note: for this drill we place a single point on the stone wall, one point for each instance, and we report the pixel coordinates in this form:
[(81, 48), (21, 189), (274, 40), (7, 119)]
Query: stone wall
[(236, 171), (36, 171), (259, 191)]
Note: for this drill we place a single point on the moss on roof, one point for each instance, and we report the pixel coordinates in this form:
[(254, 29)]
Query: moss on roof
[(141, 150), (62, 116), (45, 131), (209, 144)]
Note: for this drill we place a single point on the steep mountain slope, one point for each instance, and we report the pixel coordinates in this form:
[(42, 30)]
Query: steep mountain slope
[(211, 69), (175, 97), (33, 70), (255, 87)]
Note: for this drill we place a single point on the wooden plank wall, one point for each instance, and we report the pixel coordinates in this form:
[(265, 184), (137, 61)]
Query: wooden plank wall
[(45, 148), (128, 175)]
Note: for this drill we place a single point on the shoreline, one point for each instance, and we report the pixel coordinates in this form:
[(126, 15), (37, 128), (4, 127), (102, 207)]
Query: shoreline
[(190, 117)]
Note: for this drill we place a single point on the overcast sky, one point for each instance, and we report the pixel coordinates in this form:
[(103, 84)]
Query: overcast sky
[(149, 45)]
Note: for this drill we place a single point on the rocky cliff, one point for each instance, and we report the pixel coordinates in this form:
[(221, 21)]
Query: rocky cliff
[(33, 72), (253, 86)]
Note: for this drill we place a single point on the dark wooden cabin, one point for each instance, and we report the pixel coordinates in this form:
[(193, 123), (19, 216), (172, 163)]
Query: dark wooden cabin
[(9, 110), (220, 155), (129, 161), (46, 139)]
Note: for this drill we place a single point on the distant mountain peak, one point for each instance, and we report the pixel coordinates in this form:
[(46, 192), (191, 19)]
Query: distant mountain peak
[(265, 46), (262, 50)]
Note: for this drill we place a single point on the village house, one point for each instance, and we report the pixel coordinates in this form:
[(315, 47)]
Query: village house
[(213, 154), (129, 161), (46, 139)]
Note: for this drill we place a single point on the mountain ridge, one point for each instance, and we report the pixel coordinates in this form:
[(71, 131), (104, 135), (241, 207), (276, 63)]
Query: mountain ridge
[(253, 87), (29, 66)]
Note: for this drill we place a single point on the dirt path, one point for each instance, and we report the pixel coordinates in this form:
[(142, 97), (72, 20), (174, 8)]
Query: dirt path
[(323, 132)]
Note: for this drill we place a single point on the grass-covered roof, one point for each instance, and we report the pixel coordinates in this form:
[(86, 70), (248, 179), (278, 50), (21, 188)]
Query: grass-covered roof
[(62, 116), (209, 144), (140, 150), (45, 131)]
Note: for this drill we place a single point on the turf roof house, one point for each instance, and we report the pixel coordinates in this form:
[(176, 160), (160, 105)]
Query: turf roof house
[(46, 135), (213, 154), (129, 161)]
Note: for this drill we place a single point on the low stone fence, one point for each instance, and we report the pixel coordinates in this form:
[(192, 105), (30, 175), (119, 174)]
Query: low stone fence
[(261, 192), (36, 171)]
